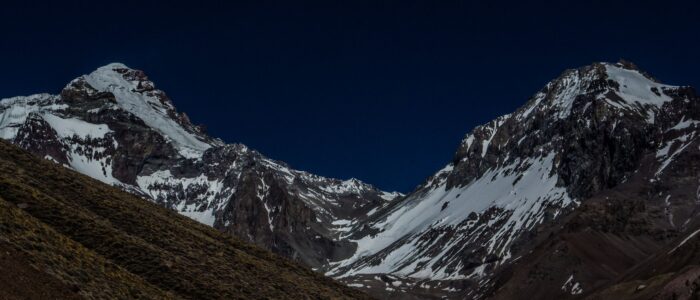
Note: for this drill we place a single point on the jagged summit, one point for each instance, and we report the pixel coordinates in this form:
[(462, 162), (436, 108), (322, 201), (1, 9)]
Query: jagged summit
[(616, 84), (581, 97), (135, 93)]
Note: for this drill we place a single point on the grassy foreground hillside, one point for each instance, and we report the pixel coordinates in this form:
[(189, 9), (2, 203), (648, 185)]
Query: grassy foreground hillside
[(64, 235)]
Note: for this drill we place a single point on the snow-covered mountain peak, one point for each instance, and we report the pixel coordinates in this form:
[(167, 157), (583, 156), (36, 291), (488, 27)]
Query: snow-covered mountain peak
[(579, 98), (621, 85), (580, 134), (136, 94), (112, 75), (114, 65)]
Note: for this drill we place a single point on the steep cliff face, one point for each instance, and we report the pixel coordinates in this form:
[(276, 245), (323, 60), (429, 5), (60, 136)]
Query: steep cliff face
[(115, 126), (590, 130), (631, 240)]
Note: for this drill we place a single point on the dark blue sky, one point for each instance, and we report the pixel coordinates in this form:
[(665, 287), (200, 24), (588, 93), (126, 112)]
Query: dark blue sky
[(381, 91)]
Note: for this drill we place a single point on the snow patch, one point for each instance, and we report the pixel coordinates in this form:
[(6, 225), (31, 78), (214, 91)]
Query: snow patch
[(571, 286), (637, 88), (84, 163), (70, 127), (663, 153), (14, 111), (685, 241)]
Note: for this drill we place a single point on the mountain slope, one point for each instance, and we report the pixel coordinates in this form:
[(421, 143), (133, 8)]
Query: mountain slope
[(115, 126), (22, 281), (96, 241), (590, 130), (633, 240)]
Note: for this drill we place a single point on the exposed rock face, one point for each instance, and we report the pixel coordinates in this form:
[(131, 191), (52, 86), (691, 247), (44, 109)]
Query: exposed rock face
[(115, 126)]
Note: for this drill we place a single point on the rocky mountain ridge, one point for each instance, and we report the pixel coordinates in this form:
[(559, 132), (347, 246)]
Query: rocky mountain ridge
[(115, 126)]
